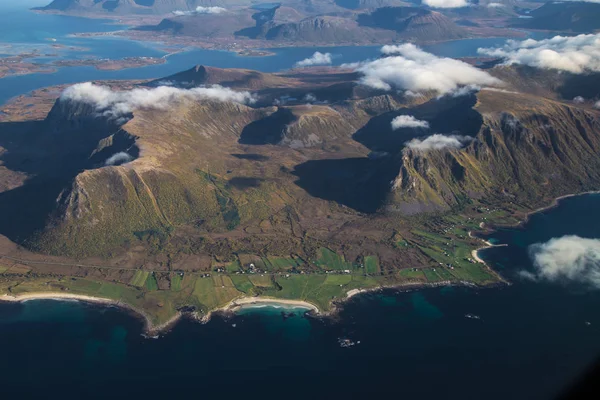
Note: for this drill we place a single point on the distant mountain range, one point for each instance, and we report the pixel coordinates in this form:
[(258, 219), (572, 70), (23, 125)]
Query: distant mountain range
[(287, 25), (581, 17)]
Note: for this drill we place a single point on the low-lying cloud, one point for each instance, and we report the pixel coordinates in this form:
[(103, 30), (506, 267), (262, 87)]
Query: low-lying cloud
[(201, 10), (316, 59), (116, 104), (576, 54), (408, 121), (566, 259), (407, 67), (446, 3), (439, 142), (118, 159)]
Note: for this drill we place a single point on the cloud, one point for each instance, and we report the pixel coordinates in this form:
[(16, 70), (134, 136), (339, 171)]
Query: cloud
[(568, 258), (578, 100), (446, 3), (408, 121), (408, 67), (576, 54), (115, 104), (311, 98), (118, 159), (597, 105), (439, 142), (316, 59), (495, 5), (201, 10)]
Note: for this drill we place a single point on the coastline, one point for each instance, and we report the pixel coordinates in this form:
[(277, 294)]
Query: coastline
[(555, 203), (150, 328), (240, 302)]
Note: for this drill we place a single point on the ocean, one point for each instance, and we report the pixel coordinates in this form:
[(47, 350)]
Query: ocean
[(529, 340)]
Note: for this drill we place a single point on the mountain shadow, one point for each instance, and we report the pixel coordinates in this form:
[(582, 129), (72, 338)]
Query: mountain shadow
[(447, 115), (359, 183), (268, 130)]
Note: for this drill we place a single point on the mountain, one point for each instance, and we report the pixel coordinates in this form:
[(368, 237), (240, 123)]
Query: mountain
[(382, 25), (241, 79), (368, 4), (312, 140), (203, 25), (138, 196), (413, 23), (581, 17), (526, 149)]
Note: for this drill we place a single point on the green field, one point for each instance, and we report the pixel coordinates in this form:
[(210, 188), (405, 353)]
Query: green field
[(139, 279), (281, 263), (176, 281), (233, 267), (431, 275), (410, 274), (242, 283), (372, 265), (151, 284), (261, 280), (331, 260)]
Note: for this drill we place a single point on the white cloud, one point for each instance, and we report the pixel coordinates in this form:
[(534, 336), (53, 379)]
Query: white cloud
[(311, 98), (118, 158), (578, 100), (408, 121), (117, 104), (446, 3), (576, 54), (408, 67), (201, 10), (439, 142), (495, 5), (316, 59), (597, 105), (569, 258)]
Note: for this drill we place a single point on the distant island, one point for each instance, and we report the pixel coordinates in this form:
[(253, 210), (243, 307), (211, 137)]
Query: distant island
[(242, 26)]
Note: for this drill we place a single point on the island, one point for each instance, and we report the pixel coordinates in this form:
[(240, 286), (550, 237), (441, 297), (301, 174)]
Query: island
[(210, 188)]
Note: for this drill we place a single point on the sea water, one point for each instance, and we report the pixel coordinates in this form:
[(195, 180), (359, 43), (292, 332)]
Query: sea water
[(530, 340), (23, 30)]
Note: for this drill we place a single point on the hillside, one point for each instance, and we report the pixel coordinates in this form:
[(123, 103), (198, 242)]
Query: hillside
[(413, 23), (580, 17), (525, 149), (381, 25), (306, 177)]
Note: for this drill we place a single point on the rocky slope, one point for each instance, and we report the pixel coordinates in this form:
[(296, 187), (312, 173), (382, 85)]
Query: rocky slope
[(212, 172), (527, 150)]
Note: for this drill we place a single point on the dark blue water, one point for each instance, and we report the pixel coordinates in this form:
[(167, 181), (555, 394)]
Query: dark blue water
[(530, 343)]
